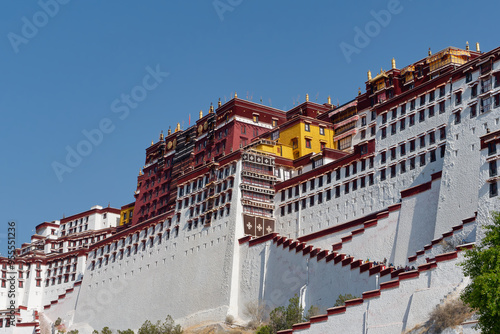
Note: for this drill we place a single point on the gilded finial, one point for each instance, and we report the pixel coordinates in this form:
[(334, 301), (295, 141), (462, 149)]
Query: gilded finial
[(467, 45), (219, 103), (329, 100), (152, 142), (161, 135), (178, 127), (381, 70), (393, 63), (369, 75), (169, 131), (235, 95), (477, 47), (429, 52), (359, 90), (201, 114), (211, 110), (307, 97), (140, 172)]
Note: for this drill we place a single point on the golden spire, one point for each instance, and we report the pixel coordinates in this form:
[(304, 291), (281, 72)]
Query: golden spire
[(201, 114), (161, 135), (393, 63), (152, 143), (140, 172), (169, 131), (235, 95), (329, 100), (467, 45), (381, 70), (211, 110), (477, 47), (429, 52), (369, 75), (359, 90), (307, 97), (219, 103), (178, 127)]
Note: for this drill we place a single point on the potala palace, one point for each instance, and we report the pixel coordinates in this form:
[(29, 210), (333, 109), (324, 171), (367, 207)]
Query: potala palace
[(257, 204)]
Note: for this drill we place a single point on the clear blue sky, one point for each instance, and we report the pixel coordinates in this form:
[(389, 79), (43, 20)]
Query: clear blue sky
[(66, 74)]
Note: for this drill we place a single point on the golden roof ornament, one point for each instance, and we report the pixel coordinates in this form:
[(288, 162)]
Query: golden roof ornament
[(359, 90), (219, 103), (307, 97), (211, 110), (140, 172), (152, 142), (477, 47), (178, 127), (161, 135), (393, 63), (201, 114), (429, 53), (169, 131), (467, 45), (329, 100), (369, 75), (235, 95)]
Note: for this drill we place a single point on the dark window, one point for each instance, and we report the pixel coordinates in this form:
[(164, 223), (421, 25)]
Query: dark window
[(431, 96), (402, 167), (371, 162), (372, 131), (421, 115), (412, 145), (432, 137), (328, 194), (433, 155), (473, 110), (320, 198), (363, 134), (402, 149), (422, 159), (393, 171), (363, 121), (468, 77), (412, 120), (296, 206), (290, 192), (362, 182), (457, 117), (393, 153), (384, 118), (382, 174), (297, 190), (304, 187), (384, 132), (320, 181), (473, 91), (441, 107), (363, 165), (442, 133), (402, 124), (412, 163), (441, 91), (383, 157), (311, 201), (282, 195), (493, 168), (282, 211), (492, 148), (346, 188), (370, 179), (442, 150), (412, 104), (393, 129), (403, 109), (493, 189), (347, 171), (394, 114), (329, 177), (458, 98), (311, 184), (355, 185), (354, 168), (374, 115), (431, 111), (422, 100), (337, 191)]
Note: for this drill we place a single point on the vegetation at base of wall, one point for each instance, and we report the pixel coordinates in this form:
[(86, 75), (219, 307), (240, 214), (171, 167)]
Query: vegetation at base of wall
[(229, 319), (482, 265), (284, 318), (255, 312), (343, 298), (447, 315), (167, 327)]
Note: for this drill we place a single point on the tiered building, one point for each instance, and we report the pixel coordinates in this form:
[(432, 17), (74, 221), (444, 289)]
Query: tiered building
[(256, 204)]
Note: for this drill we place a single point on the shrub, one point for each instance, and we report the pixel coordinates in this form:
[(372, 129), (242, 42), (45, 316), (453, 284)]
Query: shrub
[(255, 312), (450, 314), (229, 319)]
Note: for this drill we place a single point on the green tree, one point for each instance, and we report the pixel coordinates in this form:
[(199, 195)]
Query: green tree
[(342, 299), (128, 331), (482, 265), (106, 330), (283, 318), (167, 327)]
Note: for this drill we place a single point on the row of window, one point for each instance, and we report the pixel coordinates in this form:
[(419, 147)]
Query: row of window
[(411, 163), (319, 181), (327, 195)]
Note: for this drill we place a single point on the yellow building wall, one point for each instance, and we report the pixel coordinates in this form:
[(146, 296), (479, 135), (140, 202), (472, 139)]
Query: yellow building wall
[(125, 217), (298, 132)]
